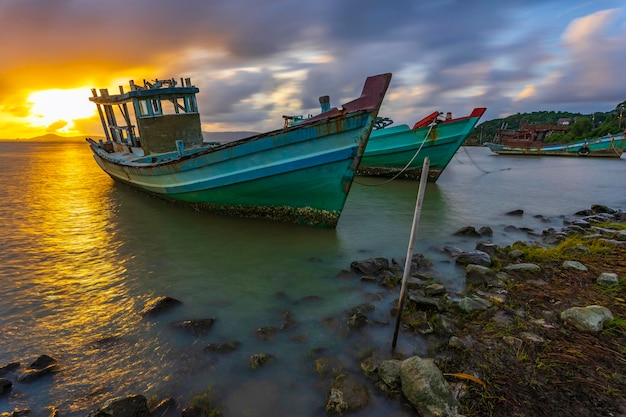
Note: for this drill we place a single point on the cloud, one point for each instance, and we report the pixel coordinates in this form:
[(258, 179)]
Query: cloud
[(593, 56), (255, 61)]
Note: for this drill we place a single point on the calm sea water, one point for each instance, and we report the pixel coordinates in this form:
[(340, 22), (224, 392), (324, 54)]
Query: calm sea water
[(82, 256)]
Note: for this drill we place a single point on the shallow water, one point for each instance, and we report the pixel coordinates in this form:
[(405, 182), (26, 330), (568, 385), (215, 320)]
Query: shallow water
[(82, 256)]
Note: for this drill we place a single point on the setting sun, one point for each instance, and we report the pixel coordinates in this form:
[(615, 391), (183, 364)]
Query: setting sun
[(58, 109)]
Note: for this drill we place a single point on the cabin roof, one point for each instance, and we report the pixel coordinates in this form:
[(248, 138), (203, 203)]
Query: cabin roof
[(163, 93)]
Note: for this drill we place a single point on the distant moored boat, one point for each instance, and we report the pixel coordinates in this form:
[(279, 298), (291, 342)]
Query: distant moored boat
[(609, 146)]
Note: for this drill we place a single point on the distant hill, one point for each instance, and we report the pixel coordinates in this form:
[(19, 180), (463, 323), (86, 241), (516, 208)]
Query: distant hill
[(207, 137), (50, 137)]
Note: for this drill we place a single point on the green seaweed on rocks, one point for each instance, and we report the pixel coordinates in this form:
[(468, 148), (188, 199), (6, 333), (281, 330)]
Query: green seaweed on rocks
[(572, 245), (204, 403)]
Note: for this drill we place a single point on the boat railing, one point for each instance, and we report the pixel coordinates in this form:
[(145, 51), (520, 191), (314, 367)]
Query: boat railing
[(124, 134), (382, 122)]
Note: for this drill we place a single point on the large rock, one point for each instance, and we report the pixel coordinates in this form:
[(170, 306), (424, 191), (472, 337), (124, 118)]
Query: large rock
[(131, 406), (43, 361), (370, 266), (32, 374), (9, 367), (467, 231), (478, 275), (389, 373), (159, 306), (589, 319), (425, 387), (574, 265), (608, 279), (5, 385), (425, 303), (476, 257), (43, 365), (196, 327), (523, 267), (473, 303), (225, 347), (165, 408), (259, 359), (420, 265), (489, 248), (346, 394)]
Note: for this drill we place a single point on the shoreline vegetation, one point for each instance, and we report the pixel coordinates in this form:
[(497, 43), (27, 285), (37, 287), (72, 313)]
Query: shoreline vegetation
[(579, 126), (540, 330)]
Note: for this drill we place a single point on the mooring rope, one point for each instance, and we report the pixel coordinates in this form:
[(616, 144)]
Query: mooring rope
[(619, 155), (406, 166), (477, 166)]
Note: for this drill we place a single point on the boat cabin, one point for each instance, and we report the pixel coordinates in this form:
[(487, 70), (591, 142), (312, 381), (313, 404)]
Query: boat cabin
[(157, 117)]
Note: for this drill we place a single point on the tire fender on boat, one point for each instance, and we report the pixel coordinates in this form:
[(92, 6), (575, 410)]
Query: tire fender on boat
[(584, 151)]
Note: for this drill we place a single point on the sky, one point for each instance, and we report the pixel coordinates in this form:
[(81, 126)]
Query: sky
[(257, 60)]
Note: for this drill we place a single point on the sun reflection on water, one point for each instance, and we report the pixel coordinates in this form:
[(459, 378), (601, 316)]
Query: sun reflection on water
[(71, 278)]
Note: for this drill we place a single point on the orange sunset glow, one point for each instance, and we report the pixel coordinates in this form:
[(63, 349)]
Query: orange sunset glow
[(57, 110)]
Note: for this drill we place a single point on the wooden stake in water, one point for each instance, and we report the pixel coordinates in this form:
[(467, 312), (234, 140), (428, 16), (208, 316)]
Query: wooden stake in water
[(409, 253)]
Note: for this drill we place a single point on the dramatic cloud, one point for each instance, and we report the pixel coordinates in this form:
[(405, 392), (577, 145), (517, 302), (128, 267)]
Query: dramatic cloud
[(256, 61)]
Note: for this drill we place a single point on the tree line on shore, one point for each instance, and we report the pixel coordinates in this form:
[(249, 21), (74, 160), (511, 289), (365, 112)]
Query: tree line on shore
[(581, 126)]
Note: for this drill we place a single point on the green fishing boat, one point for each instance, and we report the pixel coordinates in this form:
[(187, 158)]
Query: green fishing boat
[(399, 151)]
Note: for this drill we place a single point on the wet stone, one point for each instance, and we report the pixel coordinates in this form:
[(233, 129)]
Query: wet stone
[(259, 359), (370, 266), (485, 231), (164, 408), (5, 386), (607, 279), (42, 362), (159, 306), (489, 248), (467, 231), (226, 347), (574, 265), (9, 367), (425, 303), (130, 406), (476, 257), (196, 327), (522, 267), (33, 374), (266, 333)]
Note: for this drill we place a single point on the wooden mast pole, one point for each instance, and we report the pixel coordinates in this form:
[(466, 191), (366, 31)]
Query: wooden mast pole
[(409, 254)]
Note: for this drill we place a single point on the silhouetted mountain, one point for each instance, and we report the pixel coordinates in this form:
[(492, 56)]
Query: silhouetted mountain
[(207, 136), (50, 137)]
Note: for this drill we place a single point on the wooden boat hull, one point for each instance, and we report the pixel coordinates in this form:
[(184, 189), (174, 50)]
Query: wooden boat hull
[(301, 174), (399, 151), (610, 146)]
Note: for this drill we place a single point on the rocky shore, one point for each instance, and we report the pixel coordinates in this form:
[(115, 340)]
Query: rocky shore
[(540, 330)]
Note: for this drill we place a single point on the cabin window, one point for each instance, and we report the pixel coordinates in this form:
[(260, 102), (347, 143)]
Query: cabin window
[(156, 106), (144, 108)]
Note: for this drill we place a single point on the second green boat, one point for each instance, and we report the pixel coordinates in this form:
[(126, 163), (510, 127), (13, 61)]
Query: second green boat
[(399, 151)]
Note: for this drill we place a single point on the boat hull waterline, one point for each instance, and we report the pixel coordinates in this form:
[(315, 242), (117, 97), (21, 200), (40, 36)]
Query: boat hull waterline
[(300, 174)]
